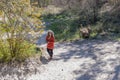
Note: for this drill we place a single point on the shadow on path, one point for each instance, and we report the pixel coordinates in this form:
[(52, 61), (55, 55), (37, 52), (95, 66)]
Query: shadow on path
[(101, 52), (43, 60), (84, 49), (117, 73)]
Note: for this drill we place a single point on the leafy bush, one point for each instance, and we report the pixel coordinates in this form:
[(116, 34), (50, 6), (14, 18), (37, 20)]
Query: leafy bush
[(13, 49), (15, 28)]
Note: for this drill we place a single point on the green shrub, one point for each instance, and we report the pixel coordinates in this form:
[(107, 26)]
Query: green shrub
[(14, 49)]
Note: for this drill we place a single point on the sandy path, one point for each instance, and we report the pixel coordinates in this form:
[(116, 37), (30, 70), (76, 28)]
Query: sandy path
[(82, 60), (78, 60)]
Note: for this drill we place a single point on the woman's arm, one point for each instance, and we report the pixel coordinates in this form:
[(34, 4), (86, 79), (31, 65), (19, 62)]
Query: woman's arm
[(51, 39)]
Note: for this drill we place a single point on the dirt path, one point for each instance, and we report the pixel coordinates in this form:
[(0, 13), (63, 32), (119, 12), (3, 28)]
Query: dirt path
[(78, 60), (82, 60)]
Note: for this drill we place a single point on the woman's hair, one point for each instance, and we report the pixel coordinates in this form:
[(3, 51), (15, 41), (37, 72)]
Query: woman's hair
[(50, 31)]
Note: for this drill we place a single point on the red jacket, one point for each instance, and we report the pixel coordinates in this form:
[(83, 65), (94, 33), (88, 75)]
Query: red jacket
[(50, 42)]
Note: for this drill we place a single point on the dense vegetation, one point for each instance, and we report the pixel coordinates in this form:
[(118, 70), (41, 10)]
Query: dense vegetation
[(101, 15)]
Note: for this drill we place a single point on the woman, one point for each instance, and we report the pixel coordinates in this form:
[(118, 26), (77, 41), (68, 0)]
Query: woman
[(50, 43)]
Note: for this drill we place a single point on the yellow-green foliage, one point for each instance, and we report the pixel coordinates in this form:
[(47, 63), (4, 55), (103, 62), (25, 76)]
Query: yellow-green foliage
[(1, 13), (13, 49), (4, 51), (15, 27)]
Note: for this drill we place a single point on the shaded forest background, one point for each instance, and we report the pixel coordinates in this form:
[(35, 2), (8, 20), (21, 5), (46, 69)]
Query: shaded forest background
[(66, 17)]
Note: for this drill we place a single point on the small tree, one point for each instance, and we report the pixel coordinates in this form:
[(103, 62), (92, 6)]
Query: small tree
[(15, 27)]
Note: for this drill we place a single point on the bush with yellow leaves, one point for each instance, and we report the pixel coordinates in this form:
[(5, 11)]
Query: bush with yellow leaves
[(15, 26)]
